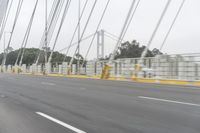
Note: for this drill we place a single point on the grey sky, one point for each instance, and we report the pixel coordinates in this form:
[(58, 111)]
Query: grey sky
[(183, 39)]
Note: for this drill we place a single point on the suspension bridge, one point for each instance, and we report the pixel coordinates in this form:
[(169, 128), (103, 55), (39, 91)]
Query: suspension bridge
[(88, 89)]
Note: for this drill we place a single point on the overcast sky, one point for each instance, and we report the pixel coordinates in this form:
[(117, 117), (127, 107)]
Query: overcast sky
[(183, 39)]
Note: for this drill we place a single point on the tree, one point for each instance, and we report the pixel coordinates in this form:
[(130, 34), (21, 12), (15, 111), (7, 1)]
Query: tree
[(134, 50), (30, 56), (156, 51)]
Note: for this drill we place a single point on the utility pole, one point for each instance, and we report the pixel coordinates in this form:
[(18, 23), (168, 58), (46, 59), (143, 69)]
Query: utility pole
[(46, 37), (79, 32)]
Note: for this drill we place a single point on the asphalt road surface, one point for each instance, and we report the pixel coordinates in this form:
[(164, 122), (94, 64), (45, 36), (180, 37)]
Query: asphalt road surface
[(33, 104)]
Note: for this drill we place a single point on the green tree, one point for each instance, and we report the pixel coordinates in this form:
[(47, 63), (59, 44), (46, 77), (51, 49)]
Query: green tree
[(30, 56), (134, 50)]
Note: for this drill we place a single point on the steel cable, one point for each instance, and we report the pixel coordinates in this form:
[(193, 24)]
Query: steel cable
[(131, 19), (26, 37), (75, 43), (122, 31), (13, 28), (74, 33), (5, 19), (86, 25), (172, 25), (155, 31), (98, 26), (61, 24), (51, 27)]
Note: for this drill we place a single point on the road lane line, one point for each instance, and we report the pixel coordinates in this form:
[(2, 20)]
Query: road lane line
[(60, 123), (47, 83), (169, 101)]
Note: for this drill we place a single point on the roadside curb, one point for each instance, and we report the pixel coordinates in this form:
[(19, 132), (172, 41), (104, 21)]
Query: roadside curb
[(138, 80)]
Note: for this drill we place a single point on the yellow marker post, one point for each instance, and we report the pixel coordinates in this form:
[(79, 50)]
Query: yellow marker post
[(138, 68), (106, 72)]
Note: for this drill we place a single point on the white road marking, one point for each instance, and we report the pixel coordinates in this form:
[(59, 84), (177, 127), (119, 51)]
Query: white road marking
[(47, 83), (60, 123), (169, 101)]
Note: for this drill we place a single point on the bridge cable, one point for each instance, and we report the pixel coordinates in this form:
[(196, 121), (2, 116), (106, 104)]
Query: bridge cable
[(3, 8), (61, 24), (56, 19), (133, 14), (98, 26), (51, 27), (74, 33), (122, 31), (86, 25), (26, 37), (155, 31), (13, 28), (5, 19), (51, 17), (172, 25), (112, 38), (75, 43)]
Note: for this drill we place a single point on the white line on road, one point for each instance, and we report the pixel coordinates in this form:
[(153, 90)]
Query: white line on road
[(47, 83), (60, 123), (169, 101)]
